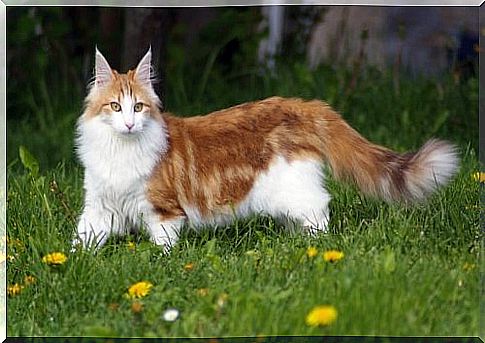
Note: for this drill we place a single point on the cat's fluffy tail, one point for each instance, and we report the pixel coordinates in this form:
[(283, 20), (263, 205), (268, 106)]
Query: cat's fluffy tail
[(386, 174)]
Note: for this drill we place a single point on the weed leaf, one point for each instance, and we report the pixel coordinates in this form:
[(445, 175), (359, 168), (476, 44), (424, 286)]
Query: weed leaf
[(29, 161)]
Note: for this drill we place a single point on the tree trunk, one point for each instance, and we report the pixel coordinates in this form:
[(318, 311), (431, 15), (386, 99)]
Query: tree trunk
[(111, 35), (145, 27), (274, 17)]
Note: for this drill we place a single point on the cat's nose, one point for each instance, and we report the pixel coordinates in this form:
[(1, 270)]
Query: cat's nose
[(129, 125)]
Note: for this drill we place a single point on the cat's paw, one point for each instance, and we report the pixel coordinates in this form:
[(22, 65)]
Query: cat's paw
[(88, 242), (165, 243), (315, 227), (76, 245), (313, 231)]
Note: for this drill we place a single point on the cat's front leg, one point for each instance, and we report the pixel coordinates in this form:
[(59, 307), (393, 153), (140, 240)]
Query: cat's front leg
[(93, 229), (164, 231)]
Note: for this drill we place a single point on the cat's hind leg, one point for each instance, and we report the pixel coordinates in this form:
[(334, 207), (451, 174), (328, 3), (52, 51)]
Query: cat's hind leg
[(311, 216), (294, 191), (163, 231)]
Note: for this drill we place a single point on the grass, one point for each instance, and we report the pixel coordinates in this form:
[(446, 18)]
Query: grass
[(406, 270)]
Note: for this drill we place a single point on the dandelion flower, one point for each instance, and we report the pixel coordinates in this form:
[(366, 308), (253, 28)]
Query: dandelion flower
[(479, 176), (170, 315), (15, 244), (202, 292), (114, 306), (311, 252), (321, 316), (14, 289), (131, 246), (29, 280), (333, 255), (189, 266), (469, 266), (139, 289), (136, 307), (222, 299), (55, 258)]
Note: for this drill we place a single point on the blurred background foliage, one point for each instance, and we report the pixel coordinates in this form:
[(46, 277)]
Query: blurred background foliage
[(210, 58)]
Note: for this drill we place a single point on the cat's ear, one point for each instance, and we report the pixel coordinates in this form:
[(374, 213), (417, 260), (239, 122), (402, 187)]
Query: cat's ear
[(103, 72), (143, 71)]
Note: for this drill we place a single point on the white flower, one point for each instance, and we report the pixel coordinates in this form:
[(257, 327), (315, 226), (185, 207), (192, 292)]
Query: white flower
[(170, 315)]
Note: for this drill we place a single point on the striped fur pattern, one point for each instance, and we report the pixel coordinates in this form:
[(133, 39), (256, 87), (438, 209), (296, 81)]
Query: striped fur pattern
[(147, 168)]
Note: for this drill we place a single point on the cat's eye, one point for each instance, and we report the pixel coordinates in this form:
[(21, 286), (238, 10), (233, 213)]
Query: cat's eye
[(115, 106), (138, 107)]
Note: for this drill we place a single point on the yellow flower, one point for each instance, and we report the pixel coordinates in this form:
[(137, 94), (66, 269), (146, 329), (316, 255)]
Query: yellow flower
[(114, 306), (468, 266), (311, 252), (131, 246), (16, 244), (136, 307), (139, 289), (333, 255), (189, 266), (479, 176), (29, 280), (202, 292), (321, 315), (55, 258), (222, 299), (14, 289)]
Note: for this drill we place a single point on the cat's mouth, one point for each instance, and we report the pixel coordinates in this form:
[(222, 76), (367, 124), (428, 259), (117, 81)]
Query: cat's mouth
[(127, 132)]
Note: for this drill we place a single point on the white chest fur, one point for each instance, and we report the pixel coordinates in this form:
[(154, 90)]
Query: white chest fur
[(116, 159)]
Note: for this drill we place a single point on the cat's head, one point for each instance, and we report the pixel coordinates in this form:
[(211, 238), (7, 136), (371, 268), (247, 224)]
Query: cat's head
[(125, 102)]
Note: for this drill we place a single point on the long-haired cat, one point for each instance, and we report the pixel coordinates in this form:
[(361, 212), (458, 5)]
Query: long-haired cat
[(152, 169)]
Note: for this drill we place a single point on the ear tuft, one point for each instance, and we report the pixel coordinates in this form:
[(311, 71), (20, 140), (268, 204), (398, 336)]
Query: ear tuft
[(103, 73), (143, 71)]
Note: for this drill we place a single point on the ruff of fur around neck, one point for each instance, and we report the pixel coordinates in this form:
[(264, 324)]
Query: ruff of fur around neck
[(110, 156)]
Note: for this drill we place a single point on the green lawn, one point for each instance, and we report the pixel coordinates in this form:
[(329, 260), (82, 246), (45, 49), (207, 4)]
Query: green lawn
[(405, 271)]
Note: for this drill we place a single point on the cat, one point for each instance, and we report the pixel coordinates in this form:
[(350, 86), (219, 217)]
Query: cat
[(146, 168)]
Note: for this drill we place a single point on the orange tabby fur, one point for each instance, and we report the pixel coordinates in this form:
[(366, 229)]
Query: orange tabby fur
[(214, 159)]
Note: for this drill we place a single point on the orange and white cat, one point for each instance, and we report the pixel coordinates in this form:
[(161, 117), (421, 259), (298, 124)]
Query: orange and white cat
[(152, 169)]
